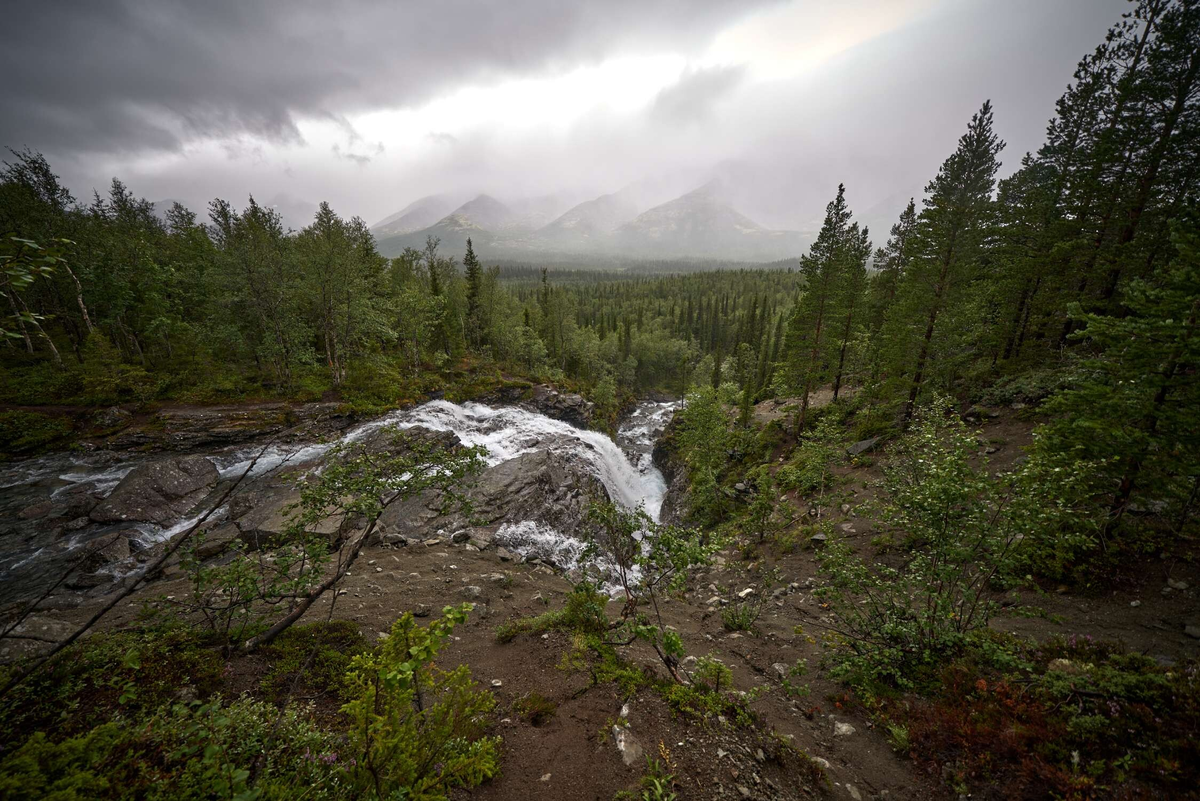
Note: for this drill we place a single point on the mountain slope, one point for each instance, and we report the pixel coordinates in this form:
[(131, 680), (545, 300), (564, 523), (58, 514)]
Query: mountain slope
[(590, 221), (421, 213), (700, 223)]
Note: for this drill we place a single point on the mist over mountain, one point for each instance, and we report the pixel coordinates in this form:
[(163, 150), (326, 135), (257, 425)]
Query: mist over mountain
[(701, 222)]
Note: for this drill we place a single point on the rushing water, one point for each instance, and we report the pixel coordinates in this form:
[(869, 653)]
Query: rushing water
[(624, 466)]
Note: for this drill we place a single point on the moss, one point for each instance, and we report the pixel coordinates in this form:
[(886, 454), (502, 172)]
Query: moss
[(23, 432), (314, 657)]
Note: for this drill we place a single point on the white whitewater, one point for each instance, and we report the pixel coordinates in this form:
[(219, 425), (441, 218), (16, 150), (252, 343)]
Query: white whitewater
[(625, 467)]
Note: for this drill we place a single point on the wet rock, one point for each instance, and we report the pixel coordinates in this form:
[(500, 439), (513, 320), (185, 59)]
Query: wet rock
[(215, 542), (566, 406), (266, 525), (112, 417), (106, 550), (545, 486), (35, 511), (159, 492)]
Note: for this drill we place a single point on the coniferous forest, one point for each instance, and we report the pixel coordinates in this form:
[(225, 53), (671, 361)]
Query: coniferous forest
[(928, 514)]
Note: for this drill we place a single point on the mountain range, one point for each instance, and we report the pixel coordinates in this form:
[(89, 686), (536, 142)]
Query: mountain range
[(701, 223)]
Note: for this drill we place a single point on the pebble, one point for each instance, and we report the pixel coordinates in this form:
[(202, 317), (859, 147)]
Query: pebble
[(854, 793), (497, 683), (842, 729), (1177, 585), (1135, 604)]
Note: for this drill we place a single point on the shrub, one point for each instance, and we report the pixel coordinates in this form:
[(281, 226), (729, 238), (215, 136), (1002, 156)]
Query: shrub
[(416, 731), (964, 530), (24, 432)]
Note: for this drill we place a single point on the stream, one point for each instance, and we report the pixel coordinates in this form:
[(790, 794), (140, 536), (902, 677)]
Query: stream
[(44, 502)]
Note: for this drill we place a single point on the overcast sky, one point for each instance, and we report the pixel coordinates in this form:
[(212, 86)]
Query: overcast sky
[(370, 105)]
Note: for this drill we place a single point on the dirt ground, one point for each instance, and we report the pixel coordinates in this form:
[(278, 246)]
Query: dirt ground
[(573, 755)]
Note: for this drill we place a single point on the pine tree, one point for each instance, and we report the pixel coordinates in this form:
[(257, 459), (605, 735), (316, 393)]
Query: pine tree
[(1138, 405), (474, 323), (948, 245), (808, 333)]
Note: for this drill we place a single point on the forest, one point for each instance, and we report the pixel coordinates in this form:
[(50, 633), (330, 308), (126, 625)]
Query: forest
[(1055, 307)]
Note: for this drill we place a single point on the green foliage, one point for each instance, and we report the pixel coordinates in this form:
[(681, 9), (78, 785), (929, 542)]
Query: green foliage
[(417, 731), (712, 673), (964, 530), (583, 613), (703, 440), (23, 432), (128, 672), (185, 751), (314, 656), (646, 572), (1083, 717)]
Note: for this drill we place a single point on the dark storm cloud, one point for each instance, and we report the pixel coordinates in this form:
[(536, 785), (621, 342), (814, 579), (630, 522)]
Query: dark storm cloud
[(698, 90), (130, 76)]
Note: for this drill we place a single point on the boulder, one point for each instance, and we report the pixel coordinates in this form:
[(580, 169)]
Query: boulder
[(216, 541), (566, 406), (159, 492), (105, 550), (265, 526), (546, 487)]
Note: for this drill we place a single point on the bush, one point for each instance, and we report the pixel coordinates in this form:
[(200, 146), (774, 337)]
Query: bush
[(24, 432), (965, 530), (416, 731), (185, 751)]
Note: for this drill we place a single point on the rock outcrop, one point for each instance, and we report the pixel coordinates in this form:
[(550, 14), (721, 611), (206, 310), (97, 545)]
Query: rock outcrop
[(159, 492), (544, 486)]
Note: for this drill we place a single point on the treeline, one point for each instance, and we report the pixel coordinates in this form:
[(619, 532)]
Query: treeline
[(1077, 275), (111, 302)]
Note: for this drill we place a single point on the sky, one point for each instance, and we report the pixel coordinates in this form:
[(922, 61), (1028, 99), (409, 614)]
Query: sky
[(371, 105)]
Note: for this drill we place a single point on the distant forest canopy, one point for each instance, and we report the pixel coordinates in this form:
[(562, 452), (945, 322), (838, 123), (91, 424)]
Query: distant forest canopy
[(1079, 267)]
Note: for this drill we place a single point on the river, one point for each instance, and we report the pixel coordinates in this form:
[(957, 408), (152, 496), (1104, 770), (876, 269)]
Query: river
[(35, 550)]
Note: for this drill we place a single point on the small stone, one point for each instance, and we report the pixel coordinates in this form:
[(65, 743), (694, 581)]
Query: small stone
[(744, 790), (379, 570), (497, 683), (713, 601), (1135, 604), (854, 793), (822, 761), (545, 777), (460, 536), (842, 729), (845, 508), (1177, 585), (1192, 631), (781, 669), (746, 593), (819, 539)]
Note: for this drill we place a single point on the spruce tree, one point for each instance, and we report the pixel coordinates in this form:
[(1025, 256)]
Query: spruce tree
[(948, 246), (808, 328), (474, 323)]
